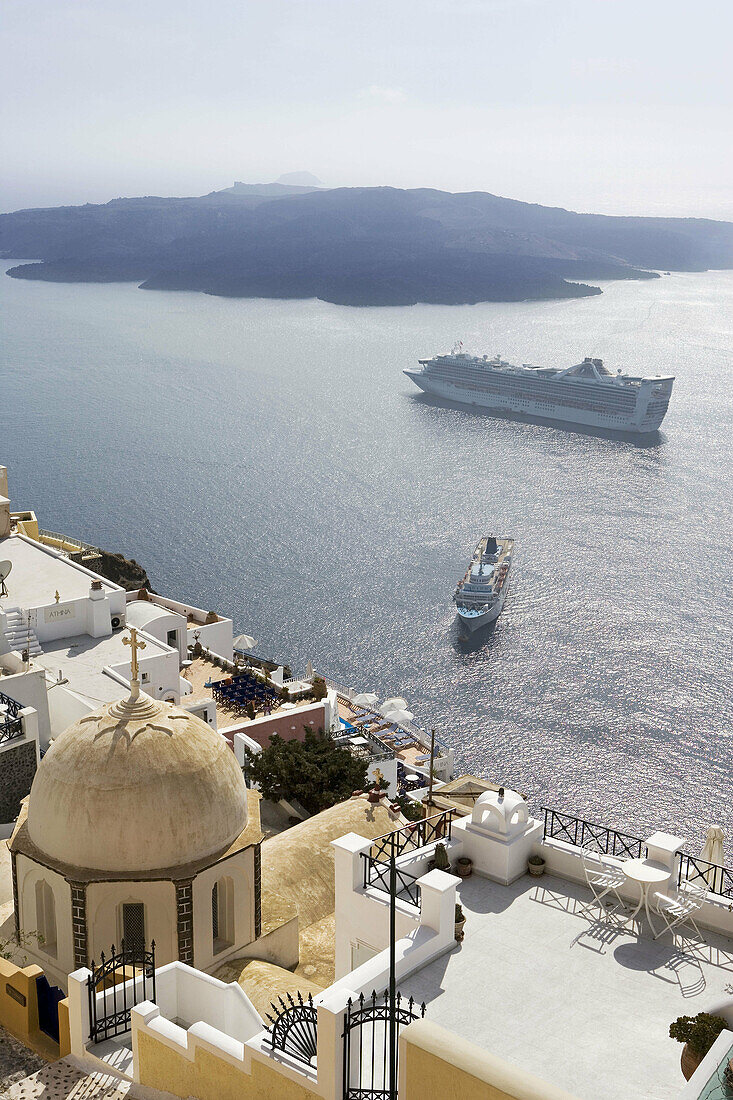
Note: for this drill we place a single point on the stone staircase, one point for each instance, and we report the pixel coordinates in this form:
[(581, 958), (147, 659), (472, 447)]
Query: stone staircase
[(17, 632)]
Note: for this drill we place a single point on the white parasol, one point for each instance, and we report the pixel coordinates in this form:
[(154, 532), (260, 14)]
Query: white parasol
[(395, 702), (713, 852), (365, 699), (244, 642), (399, 715)]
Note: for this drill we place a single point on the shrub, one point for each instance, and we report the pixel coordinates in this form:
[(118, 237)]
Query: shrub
[(699, 1032), (536, 861), (318, 688), (459, 912), (410, 809)]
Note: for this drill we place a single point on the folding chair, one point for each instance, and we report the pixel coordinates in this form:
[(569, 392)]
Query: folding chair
[(602, 878), (682, 908)]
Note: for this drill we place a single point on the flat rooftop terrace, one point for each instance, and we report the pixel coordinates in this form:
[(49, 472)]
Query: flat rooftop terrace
[(580, 1002), (38, 572), (82, 659)]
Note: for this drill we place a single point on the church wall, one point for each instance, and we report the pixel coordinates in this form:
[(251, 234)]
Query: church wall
[(104, 916), (59, 965), (241, 869)]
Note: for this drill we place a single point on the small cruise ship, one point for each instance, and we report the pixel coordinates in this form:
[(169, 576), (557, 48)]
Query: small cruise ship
[(480, 596), (587, 393)]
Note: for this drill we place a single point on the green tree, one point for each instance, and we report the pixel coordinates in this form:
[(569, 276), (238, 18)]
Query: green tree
[(318, 688), (316, 771)]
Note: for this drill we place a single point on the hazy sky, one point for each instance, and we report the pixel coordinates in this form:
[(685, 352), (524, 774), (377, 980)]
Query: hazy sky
[(618, 106)]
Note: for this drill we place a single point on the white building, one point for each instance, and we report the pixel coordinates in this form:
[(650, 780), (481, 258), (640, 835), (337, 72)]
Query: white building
[(63, 638)]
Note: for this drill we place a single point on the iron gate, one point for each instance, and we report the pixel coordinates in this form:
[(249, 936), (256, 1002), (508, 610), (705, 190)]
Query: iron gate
[(294, 1028), (120, 982), (368, 1074)]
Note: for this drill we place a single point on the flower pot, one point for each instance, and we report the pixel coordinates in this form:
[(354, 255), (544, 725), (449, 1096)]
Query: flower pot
[(689, 1061), (536, 868), (463, 867), (460, 925)]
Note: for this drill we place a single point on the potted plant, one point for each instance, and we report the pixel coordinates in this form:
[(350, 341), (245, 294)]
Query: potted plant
[(463, 866), (442, 863), (698, 1033), (460, 922), (536, 865)]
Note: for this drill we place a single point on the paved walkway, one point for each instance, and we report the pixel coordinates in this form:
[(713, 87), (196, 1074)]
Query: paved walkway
[(16, 1061), (65, 1080)]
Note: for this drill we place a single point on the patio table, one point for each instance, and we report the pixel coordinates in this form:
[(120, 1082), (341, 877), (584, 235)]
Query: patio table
[(645, 873)]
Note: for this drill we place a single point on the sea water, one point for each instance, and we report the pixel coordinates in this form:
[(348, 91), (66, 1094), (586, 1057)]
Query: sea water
[(270, 461)]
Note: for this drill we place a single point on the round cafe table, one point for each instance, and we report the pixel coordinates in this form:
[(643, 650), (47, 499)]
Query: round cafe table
[(645, 873)]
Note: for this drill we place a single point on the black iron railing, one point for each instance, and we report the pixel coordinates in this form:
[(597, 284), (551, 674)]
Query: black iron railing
[(368, 1074), (717, 878), (418, 834), (121, 981), (294, 1028), (376, 873), (11, 724), (590, 835)]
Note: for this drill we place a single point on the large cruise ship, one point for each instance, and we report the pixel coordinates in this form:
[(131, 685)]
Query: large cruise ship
[(587, 393), (480, 596)]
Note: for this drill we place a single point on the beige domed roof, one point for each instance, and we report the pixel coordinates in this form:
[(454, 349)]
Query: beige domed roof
[(135, 786)]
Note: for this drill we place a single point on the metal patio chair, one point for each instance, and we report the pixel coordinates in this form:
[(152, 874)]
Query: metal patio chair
[(603, 878), (681, 909)]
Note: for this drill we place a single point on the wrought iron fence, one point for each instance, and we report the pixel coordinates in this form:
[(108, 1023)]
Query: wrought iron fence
[(418, 834), (294, 1028), (376, 873), (368, 1073), (717, 878), (11, 724), (590, 835), (124, 979)]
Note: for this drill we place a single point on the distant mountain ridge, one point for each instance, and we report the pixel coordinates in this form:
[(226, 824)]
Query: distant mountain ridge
[(355, 246)]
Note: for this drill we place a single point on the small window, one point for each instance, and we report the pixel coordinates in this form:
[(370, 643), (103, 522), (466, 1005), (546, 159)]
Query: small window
[(222, 915), (133, 926), (173, 639), (46, 917), (145, 676)]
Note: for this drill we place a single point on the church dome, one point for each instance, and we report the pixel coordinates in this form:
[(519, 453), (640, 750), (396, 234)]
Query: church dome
[(136, 786)]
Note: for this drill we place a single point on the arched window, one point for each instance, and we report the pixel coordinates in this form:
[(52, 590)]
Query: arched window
[(46, 917), (222, 914)]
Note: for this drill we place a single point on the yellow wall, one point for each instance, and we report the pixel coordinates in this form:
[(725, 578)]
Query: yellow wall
[(436, 1062), (64, 1029), (210, 1078), (22, 1020), (27, 524)]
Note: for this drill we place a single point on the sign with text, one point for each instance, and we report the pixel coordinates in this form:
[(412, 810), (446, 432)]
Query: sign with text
[(60, 611)]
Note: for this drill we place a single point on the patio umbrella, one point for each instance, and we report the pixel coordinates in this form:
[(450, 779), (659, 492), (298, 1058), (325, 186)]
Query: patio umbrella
[(395, 702), (244, 642), (399, 716), (366, 699), (712, 852)]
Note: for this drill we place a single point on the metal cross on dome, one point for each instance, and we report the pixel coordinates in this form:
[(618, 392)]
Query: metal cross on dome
[(135, 644)]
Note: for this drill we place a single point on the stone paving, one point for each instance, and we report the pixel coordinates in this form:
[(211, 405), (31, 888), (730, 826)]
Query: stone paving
[(16, 1061), (67, 1080)]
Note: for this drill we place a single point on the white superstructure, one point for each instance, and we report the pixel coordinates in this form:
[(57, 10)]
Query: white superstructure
[(587, 393), (480, 596)]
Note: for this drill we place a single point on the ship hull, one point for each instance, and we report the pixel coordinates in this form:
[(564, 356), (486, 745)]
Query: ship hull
[(448, 391), (470, 623)]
